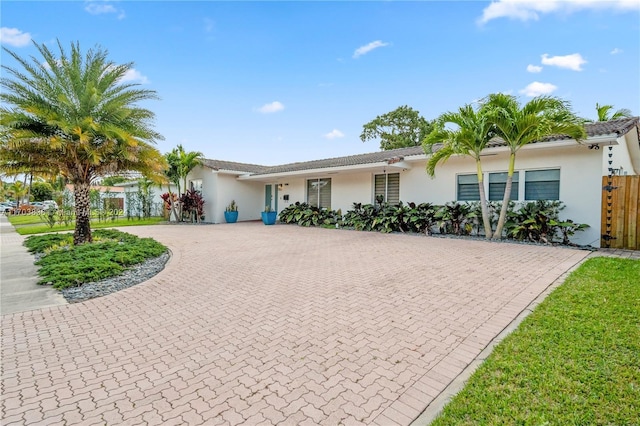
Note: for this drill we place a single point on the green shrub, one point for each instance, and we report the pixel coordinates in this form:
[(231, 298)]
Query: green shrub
[(304, 214), (64, 265)]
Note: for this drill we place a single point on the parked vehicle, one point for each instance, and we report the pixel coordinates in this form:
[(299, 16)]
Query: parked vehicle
[(46, 204), (6, 207)]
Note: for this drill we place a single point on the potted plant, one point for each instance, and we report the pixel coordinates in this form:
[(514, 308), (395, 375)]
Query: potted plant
[(231, 212), (269, 216)]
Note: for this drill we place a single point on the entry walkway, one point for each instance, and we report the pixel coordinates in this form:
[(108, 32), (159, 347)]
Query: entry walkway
[(253, 324), (19, 290)]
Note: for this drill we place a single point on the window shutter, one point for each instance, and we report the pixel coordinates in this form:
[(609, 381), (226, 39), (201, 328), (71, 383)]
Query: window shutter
[(393, 188), (319, 193), (542, 185), (325, 193), (468, 188), (380, 186), (497, 183)]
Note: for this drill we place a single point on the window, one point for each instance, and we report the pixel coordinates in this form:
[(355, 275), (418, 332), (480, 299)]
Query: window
[(319, 193), (468, 188), (542, 185), (388, 186), (196, 185), (497, 183)]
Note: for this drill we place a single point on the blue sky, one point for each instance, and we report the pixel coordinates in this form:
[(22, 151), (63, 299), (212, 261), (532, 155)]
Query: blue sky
[(278, 82)]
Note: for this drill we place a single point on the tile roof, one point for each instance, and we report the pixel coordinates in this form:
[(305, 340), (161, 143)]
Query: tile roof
[(617, 127), (233, 166)]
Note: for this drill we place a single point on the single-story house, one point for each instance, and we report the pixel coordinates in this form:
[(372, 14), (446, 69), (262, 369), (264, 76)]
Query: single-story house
[(133, 202), (111, 197), (558, 169)]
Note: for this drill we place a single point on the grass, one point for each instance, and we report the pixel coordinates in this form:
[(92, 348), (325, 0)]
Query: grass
[(574, 361), (64, 265), (35, 224)]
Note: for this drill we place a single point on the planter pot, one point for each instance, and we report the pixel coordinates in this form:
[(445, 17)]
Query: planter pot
[(269, 218), (231, 217)]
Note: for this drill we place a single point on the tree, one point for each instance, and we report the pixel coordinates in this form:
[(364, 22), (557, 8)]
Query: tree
[(604, 113), (540, 118), (402, 127), (41, 191), (470, 137), (72, 115), (18, 191), (187, 162)]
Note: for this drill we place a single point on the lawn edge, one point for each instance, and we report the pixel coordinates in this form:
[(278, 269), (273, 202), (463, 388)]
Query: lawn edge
[(437, 405)]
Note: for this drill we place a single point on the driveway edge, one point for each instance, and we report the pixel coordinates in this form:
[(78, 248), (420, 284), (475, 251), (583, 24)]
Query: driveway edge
[(435, 407)]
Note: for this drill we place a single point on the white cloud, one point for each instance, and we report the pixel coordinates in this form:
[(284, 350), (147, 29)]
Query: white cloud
[(616, 51), (274, 106), (101, 8), (14, 37), (135, 76), (525, 10), (534, 68), (536, 89), (334, 134), (573, 62), (363, 50)]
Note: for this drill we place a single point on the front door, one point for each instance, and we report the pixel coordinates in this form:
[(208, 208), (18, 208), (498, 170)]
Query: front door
[(269, 196)]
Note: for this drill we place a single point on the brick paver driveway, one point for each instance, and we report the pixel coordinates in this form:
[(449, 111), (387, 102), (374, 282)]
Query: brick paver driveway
[(285, 325)]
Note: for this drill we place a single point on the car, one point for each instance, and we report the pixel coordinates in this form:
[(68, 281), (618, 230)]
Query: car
[(38, 205), (47, 204), (5, 207)]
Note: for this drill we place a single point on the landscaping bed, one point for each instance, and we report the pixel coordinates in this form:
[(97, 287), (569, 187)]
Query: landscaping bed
[(112, 254)]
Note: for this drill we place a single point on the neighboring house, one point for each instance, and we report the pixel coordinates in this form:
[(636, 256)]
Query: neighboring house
[(558, 169), (133, 203), (111, 197)]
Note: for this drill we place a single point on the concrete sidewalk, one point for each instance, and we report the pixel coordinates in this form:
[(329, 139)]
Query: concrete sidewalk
[(19, 290)]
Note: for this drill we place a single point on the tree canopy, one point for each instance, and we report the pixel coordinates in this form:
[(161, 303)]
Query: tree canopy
[(70, 114), (400, 128), (606, 113)]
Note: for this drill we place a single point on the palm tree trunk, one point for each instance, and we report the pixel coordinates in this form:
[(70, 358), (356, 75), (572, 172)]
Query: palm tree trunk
[(483, 202), (506, 198), (82, 232)]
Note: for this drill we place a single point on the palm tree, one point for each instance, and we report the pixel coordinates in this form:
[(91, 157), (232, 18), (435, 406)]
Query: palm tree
[(18, 190), (604, 113), (187, 161), (473, 132), (540, 118), (71, 115)]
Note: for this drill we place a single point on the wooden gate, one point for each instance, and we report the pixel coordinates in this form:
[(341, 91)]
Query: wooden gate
[(620, 219)]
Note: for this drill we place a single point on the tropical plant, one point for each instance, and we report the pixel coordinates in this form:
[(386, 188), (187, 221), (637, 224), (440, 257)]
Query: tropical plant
[(71, 115), (421, 217), (18, 191), (304, 214), (232, 207), (604, 113), (454, 218), (188, 161), (179, 165), (471, 133), (192, 205), (540, 118), (402, 127)]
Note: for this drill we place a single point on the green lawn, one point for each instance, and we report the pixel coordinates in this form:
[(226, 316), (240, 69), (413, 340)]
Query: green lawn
[(574, 361), (29, 224)]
